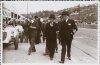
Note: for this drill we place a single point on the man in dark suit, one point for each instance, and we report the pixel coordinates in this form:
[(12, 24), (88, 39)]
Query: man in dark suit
[(38, 40), (32, 35), (51, 36), (67, 28)]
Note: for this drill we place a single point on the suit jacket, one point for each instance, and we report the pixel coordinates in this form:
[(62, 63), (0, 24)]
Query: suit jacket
[(50, 32), (66, 29), (33, 32)]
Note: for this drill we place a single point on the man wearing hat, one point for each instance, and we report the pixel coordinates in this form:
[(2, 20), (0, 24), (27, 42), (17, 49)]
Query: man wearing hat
[(67, 28), (51, 37)]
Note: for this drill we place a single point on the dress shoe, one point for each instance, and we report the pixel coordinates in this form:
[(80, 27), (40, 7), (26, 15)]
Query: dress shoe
[(61, 61), (51, 58), (69, 58), (29, 53), (45, 54), (33, 50)]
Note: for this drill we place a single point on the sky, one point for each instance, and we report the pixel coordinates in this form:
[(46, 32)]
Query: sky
[(35, 6)]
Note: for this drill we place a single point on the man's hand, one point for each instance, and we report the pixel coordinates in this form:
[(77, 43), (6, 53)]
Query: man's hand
[(73, 33), (57, 32)]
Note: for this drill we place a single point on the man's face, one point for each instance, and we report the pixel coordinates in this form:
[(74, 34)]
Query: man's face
[(51, 20), (65, 17)]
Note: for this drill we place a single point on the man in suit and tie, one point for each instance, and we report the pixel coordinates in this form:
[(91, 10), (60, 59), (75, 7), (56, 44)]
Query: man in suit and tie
[(67, 28)]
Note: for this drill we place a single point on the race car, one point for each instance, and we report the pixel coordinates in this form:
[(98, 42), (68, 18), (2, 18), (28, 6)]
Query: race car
[(10, 35)]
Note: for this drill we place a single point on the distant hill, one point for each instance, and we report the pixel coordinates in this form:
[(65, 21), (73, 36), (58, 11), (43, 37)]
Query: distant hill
[(82, 13)]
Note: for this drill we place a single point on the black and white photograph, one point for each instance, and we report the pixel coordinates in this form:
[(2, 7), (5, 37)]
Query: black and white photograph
[(50, 32)]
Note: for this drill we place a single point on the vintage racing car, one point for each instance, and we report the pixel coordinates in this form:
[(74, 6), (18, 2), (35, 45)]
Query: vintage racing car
[(11, 35)]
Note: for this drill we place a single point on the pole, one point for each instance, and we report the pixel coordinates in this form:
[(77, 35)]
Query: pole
[(27, 10)]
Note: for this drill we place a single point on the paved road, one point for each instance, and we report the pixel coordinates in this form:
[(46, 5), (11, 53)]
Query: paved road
[(84, 50)]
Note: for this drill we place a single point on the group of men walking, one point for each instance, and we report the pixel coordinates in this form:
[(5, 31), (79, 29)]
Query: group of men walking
[(65, 29)]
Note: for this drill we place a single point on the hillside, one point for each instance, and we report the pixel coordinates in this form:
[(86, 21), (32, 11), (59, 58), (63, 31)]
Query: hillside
[(81, 13)]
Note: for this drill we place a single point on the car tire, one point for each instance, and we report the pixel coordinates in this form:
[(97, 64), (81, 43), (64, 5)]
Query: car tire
[(5, 46), (21, 37), (16, 43)]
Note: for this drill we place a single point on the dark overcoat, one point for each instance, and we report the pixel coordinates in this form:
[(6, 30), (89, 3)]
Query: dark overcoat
[(67, 28), (51, 36)]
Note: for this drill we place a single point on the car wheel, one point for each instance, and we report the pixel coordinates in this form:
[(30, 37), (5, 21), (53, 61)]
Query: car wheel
[(21, 39), (5, 45)]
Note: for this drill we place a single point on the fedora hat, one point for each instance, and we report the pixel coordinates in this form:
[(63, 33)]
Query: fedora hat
[(52, 16), (65, 13)]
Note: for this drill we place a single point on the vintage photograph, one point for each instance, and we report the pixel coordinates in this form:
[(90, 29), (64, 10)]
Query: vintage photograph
[(50, 32)]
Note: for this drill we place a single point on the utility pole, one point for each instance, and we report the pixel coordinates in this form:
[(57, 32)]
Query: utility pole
[(79, 12), (27, 10)]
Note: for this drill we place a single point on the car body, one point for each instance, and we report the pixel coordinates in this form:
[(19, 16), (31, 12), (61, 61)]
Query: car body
[(10, 35)]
